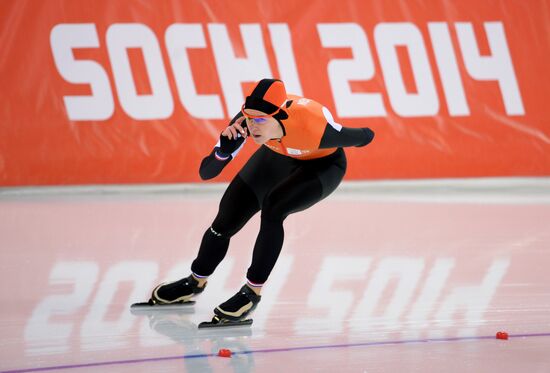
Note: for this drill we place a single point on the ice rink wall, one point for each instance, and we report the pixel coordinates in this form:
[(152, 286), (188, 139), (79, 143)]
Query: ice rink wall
[(115, 92)]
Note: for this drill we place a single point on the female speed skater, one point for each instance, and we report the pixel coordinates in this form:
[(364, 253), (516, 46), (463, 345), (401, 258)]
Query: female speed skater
[(300, 161)]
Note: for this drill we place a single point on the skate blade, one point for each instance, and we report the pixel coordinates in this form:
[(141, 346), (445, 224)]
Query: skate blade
[(149, 306), (224, 323)]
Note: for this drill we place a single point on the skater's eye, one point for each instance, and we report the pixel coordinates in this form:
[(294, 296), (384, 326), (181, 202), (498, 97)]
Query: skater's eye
[(259, 120)]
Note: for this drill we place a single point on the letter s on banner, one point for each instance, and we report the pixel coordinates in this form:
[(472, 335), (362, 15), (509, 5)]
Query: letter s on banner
[(98, 106)]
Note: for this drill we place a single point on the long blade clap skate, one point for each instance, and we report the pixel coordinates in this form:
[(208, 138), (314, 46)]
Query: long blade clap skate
[(173, 294), (234, 311)]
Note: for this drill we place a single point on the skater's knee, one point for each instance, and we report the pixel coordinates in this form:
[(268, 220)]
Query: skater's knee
[(272, 209), (223, 230), (217, 232), (226, 226)]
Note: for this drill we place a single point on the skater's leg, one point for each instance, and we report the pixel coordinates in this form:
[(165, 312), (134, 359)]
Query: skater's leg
[(237, 206), (240, 202), (298, 192), (301, 190)]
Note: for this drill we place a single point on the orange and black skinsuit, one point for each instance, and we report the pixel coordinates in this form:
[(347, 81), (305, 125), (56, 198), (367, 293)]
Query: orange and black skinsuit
[(282, 177)]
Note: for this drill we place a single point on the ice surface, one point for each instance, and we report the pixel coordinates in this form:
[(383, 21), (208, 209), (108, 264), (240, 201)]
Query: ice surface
[(370, 280)]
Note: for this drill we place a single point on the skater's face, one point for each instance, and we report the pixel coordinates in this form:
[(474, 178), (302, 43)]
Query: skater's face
[(261, 126)]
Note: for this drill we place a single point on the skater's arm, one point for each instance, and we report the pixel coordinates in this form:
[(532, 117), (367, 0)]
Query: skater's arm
[(211, 166), (231, 141), (340, 137)]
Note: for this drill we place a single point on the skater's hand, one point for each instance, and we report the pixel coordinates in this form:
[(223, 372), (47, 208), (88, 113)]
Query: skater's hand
[(235, 129), (233, 136)]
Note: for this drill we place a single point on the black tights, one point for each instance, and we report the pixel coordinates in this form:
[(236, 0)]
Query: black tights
[(305, 183)]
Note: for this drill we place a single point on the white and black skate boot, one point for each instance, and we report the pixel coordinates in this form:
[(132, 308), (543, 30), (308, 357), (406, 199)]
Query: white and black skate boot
[(174, 293), (235, 310)]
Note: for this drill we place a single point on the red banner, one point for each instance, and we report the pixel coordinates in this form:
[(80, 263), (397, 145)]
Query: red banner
[(137, 92)]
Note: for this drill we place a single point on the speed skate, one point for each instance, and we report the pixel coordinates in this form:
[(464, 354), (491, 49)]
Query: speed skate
[(235, 310)]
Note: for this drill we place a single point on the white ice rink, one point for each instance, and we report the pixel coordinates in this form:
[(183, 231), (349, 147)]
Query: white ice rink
[(381, 277)]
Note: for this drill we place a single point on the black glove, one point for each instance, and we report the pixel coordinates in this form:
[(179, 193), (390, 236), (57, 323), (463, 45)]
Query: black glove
[(228, 146)]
